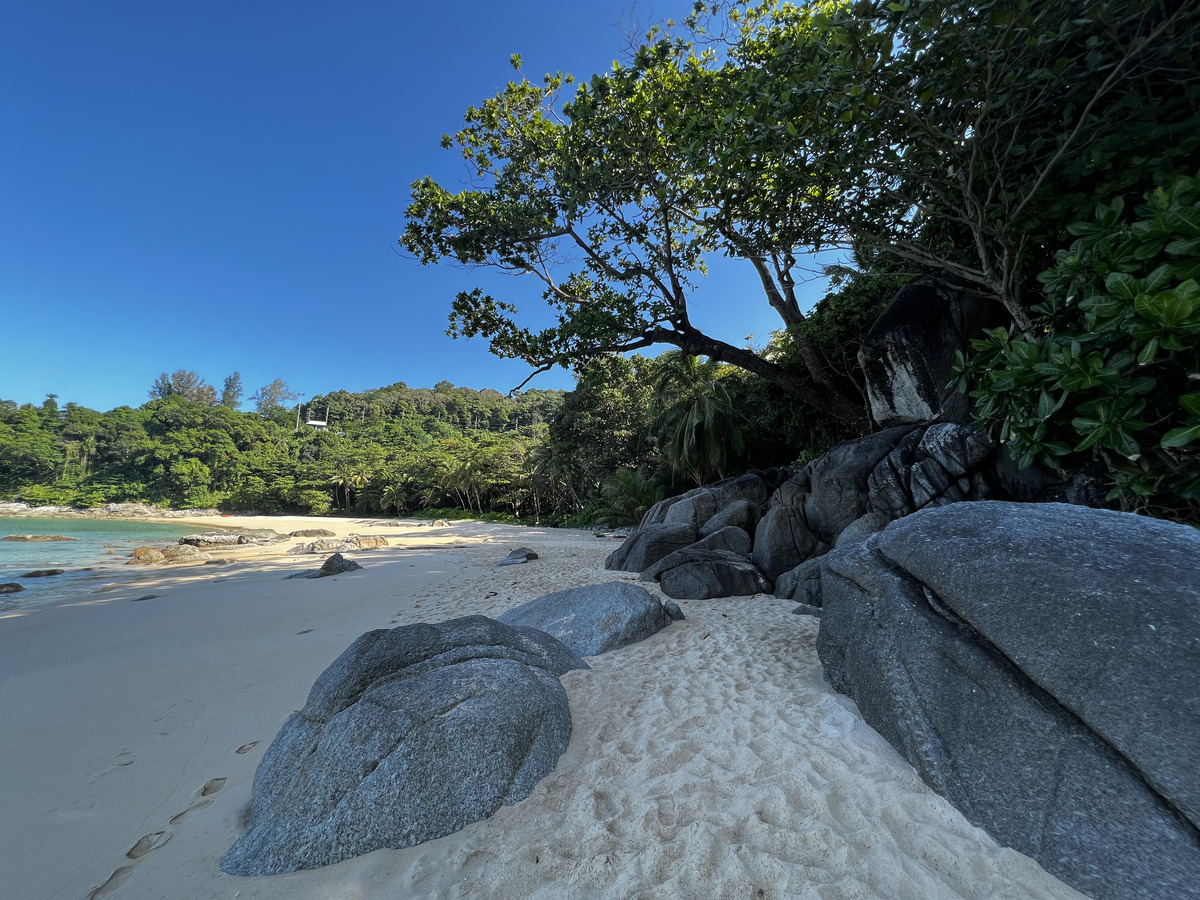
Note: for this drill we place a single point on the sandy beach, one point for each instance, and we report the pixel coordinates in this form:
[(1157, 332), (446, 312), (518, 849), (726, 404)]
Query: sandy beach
[(711, 760)]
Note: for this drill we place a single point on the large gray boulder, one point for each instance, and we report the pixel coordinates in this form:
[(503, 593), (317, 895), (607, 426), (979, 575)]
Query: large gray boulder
[(648, 545), (697, 574), (738, 514), (1037, 664), (411, 734), (838, 490), (730, 538), (593, 619), (783, 540), (699, 504), (908, 355)]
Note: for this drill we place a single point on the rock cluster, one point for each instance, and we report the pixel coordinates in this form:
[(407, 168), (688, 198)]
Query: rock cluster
[(340, 545), (179, 553), (752, 534)]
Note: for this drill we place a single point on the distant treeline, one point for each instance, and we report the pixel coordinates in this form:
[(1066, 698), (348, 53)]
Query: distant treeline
[(632, 430)]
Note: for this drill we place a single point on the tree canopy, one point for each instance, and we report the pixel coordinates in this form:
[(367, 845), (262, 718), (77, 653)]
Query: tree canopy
[(921, 135)]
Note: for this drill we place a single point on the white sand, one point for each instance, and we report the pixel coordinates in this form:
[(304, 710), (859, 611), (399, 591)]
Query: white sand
[(709, 761)]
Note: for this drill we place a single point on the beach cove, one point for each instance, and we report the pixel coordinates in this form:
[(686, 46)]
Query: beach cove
[(709, 760)]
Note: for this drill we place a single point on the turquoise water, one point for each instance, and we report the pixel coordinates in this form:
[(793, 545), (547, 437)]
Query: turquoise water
[(103, 545)]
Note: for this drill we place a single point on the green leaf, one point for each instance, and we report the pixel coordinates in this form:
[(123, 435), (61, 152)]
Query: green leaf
[(1191, 402), (1168, 307), (1180, 437), (1158, 279), (1123, 285), (1148, 352)]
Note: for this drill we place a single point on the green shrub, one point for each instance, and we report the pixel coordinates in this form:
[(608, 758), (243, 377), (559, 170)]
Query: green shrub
[(1112, 368)]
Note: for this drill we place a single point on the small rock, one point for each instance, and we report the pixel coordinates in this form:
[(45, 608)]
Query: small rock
[(146, 556), (335, 565), (43, 573), (312, 532), (517, 557), (11, 588)]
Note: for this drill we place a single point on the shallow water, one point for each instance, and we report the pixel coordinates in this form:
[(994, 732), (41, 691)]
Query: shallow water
[(102, 545)]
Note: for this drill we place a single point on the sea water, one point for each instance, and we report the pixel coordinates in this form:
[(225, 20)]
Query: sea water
[(95, 560)]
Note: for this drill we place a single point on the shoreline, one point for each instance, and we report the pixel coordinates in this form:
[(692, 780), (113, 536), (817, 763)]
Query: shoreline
[(709, 759)]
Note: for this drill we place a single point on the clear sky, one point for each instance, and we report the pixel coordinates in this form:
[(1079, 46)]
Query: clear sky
[(219, 186)]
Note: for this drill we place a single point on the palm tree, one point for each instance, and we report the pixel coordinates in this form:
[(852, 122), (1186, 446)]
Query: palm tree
[(627, 495), (696, 424)]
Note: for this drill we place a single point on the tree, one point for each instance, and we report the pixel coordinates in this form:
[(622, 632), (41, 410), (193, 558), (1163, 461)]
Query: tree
[(698, 428), (271, 396), (184, 383), (609, 179), (231, 391), (949, 134)]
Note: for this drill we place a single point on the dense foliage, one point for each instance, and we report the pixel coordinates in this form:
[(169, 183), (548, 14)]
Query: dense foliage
[(1111, 372), (391, 450)]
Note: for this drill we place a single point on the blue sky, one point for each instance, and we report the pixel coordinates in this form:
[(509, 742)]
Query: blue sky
[(219, 186)]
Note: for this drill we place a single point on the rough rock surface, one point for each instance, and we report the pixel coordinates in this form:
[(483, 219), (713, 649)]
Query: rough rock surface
[(738, 514), (593, 619), (783, 540), (838, 491), (802, 583), (146, 556), (696, 574), (730, 538), (367, 541), (908, 355), (1054, 704), (648, 545), (411, 734), (211, 539), (701, 503)]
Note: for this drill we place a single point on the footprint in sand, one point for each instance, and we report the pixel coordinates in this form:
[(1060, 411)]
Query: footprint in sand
[(246, 748), (148, 842), (115, 880), (305, 631), (212, 786), (179, 817)]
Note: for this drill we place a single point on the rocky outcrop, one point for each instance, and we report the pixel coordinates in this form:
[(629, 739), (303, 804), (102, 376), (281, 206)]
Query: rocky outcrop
[(411, 734), (312, 532), (1037, 665), (42, 573), (211, 539), (649, 544), (908, 355), (593, 619), (340, 545), (11, 587)]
